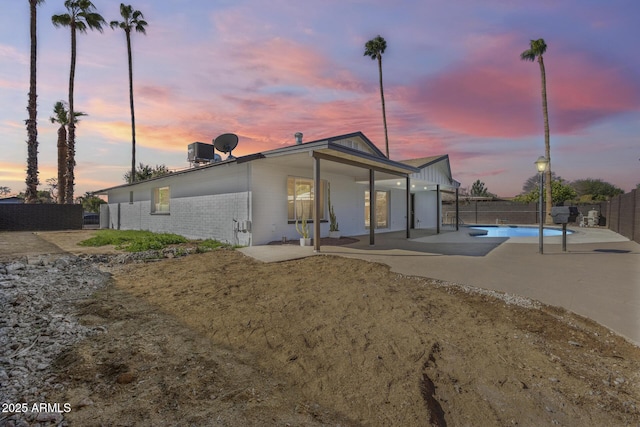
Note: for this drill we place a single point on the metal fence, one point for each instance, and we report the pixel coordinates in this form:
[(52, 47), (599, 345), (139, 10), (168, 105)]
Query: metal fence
[(40, 217)]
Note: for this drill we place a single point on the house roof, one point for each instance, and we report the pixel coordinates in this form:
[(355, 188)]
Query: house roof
[(330, 149), (424, 162), (11, 200)]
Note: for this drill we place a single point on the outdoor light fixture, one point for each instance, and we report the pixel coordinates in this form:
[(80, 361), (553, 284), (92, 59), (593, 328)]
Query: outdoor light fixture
[(541, 165)]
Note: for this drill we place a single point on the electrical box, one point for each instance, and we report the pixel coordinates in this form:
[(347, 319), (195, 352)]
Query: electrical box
[(200, 152)]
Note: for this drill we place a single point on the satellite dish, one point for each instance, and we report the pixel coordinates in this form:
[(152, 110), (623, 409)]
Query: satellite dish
[(226, 143)]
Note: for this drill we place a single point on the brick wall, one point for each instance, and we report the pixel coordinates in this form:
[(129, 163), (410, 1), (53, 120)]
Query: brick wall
[(624, 215), (40, 217), (220, 217)]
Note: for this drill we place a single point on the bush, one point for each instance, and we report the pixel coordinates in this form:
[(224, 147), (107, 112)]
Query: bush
[(134, 240)]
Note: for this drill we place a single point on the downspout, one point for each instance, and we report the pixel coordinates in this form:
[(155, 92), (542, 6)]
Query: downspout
[(408, 207), (438, 209), (457, 210)]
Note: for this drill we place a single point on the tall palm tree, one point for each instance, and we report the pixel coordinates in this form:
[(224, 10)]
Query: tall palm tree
[(31, 193), (132, 19), (80, 16), (61, 116), (374, 48), (537, 48)]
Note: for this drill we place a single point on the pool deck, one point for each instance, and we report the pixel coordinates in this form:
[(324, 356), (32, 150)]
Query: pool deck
[(597, 277)]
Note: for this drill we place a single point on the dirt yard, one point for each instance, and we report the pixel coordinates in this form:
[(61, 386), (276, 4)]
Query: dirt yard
[(221, 339)]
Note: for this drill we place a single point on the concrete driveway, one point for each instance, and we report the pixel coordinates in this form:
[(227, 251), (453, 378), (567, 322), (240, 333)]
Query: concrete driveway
[(597, 277)]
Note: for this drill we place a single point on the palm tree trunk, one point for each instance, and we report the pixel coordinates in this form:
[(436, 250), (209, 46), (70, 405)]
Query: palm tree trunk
[(71, 149), (547, 145), (62, 163), (31, 194), (384, 112), (133, 116)]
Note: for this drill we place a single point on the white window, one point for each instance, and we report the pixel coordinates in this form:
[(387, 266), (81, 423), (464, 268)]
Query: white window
[(300, 193), (160, 200), (382, 209)]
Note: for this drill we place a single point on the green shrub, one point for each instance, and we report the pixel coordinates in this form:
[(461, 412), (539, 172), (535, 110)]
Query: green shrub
[(134, 240)]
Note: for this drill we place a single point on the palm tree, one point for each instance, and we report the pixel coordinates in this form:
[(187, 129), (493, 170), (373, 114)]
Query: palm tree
[(80, 17), (537, 48), (61, 116), (32, 181), (375, 48), (132, 19)]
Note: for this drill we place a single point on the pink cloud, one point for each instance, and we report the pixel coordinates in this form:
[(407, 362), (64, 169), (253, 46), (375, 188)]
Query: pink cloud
[(494, 95)]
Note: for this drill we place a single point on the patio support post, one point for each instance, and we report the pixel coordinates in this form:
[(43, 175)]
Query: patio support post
[(408, 207), (457, 210), (372, 207), (316, 204), (438, 219)]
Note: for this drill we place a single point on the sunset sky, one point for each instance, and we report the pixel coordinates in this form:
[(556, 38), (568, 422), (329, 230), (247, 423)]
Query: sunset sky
[(454, 84)]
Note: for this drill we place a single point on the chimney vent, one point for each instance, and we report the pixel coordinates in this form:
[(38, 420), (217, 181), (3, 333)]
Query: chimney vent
[(298, 136)]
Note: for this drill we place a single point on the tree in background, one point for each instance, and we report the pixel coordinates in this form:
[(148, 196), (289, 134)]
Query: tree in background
[(80, 16), (536, 49), (90, 203), (595, 190), (43, 196), (132, 19), (374, 48), (32, 107), (4, 191), (53, 187), (144, 172), (532, 182), (478, 190), (561, 191), (61, 116)]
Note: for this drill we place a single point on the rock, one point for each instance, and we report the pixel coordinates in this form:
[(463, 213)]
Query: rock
[(85, 401), (126, 378), (36, 327)]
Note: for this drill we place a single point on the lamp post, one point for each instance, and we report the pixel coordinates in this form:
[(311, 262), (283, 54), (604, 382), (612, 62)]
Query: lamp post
[(541, 165)]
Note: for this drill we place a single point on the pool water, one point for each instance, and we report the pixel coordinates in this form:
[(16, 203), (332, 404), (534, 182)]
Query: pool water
[(514, 231)]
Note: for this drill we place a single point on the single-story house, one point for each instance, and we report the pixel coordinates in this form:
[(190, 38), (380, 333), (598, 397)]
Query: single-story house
[(256, 199), (11, 200)]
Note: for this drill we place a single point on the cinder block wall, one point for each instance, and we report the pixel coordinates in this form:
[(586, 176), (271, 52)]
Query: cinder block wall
[(624, 215), (219, 217), (40, 217)]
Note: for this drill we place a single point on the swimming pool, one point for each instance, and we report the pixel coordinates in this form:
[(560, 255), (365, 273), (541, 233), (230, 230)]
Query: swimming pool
[(514, 231)]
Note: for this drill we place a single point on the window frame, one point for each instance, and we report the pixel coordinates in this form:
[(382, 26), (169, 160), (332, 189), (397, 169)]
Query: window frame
[(292, 199), (158, 195)]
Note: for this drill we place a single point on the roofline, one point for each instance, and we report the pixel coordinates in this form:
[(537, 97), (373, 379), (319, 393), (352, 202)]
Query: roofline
[(326, 143)]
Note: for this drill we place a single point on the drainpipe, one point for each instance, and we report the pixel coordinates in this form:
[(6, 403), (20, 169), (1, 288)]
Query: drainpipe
[(457, 210), (438, 209)]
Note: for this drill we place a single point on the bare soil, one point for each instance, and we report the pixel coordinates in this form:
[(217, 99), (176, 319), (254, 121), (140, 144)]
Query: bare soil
[(221, 339)]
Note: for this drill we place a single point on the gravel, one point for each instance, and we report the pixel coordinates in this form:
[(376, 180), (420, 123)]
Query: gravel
[(37, 295)]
